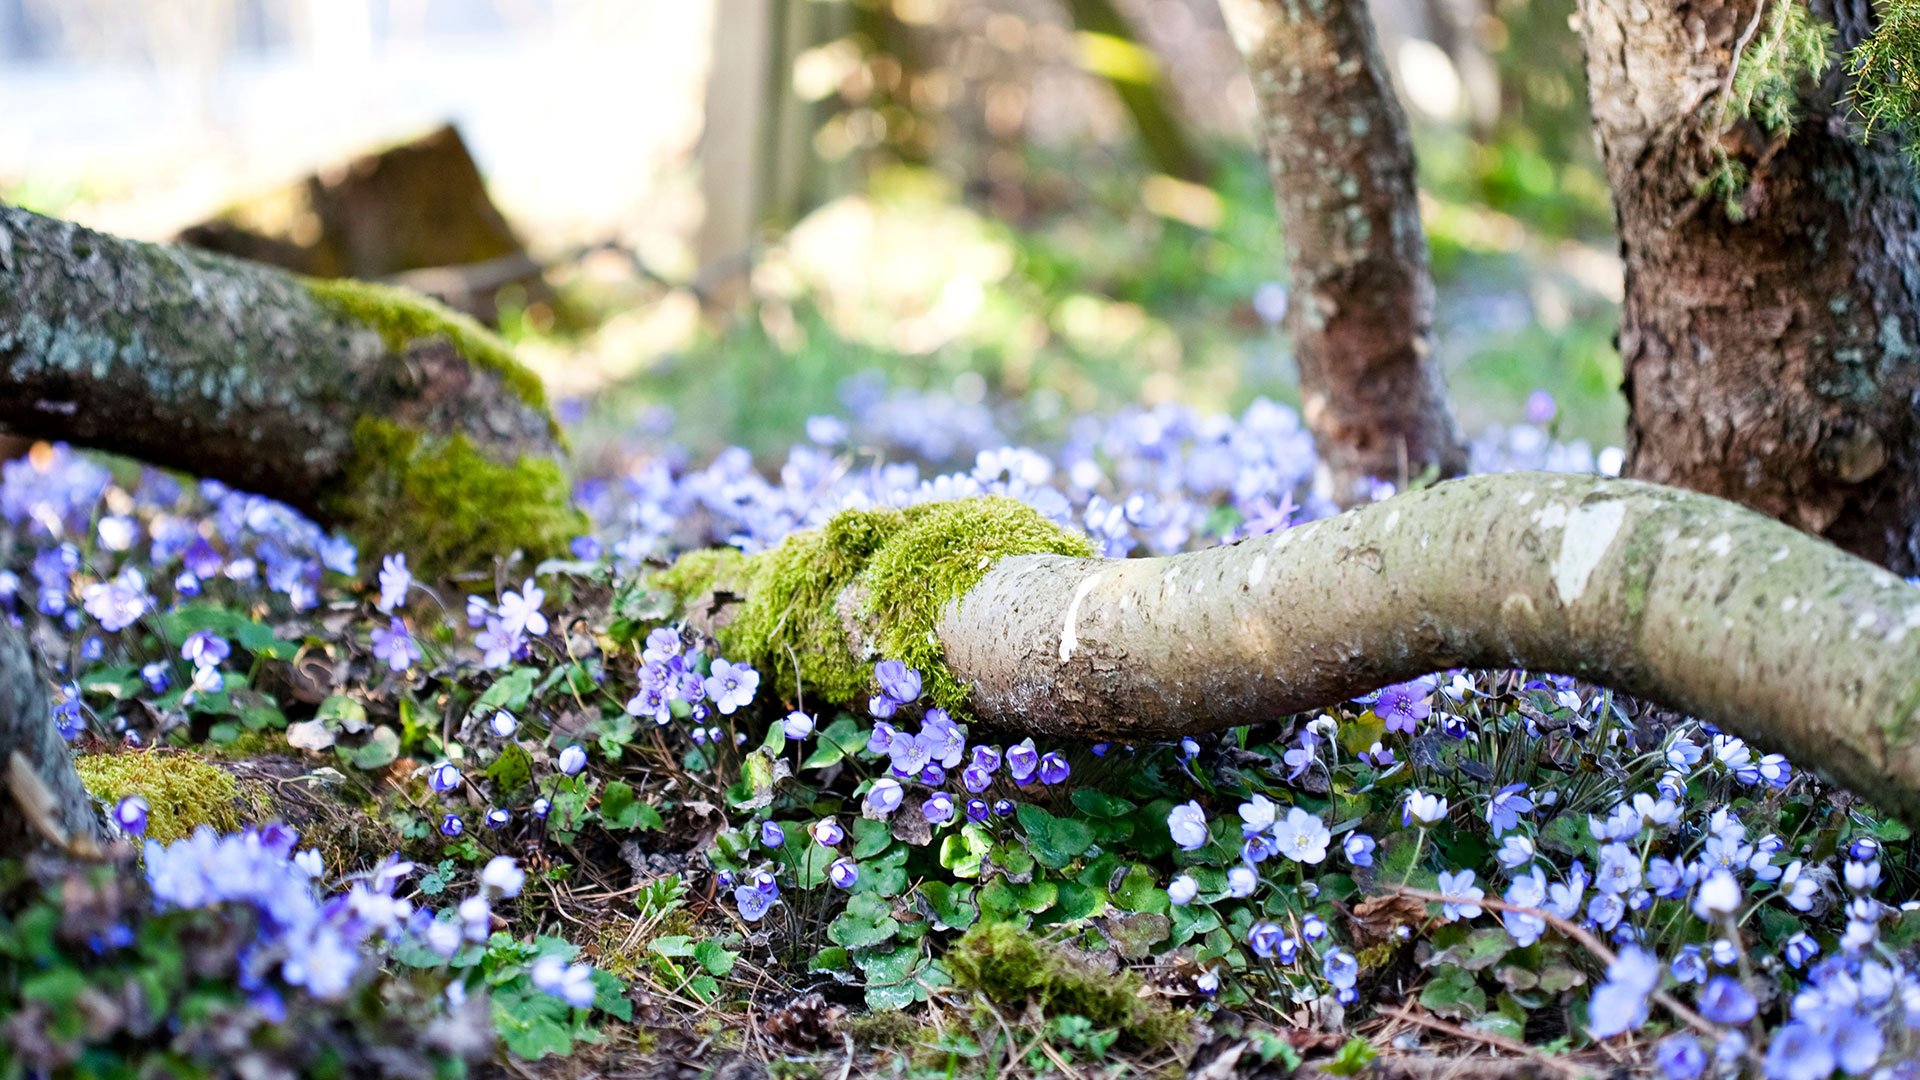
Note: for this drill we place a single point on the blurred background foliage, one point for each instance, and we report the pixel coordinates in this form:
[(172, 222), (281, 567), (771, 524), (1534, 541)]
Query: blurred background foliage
[(746, 212)]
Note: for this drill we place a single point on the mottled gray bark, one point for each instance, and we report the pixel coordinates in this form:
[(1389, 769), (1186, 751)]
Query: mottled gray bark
[(1684, 599), (1361, 312), (42, 801), (1771, 350), (353, 403)]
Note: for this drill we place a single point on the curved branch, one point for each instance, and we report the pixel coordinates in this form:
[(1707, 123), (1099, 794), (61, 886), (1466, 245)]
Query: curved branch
[(1684, 599)]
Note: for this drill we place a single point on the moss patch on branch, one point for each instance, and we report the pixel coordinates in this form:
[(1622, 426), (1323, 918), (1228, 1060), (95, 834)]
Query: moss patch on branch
[(402, 318), (888, 572), (446, 503), (182, 791)]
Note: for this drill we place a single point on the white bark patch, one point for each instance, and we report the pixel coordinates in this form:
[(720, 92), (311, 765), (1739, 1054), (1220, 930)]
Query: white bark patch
[(1721, 545), (1069, 640), (1524, 498), (1591, 530), (1781, 554), (1392, 520), (1257, 573)]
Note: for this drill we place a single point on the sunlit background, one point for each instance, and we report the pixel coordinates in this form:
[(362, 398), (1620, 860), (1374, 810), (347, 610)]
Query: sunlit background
[(749, 210)]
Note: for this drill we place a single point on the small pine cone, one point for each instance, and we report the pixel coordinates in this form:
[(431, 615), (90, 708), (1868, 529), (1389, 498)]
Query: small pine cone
[(805, 1023)]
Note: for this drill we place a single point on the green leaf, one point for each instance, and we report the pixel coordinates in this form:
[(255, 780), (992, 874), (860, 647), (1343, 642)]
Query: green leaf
[(509, 691), (754, 788), (1054, 841), (1134, 935), (1099, 804), (712, 956), (620, 810), (1482, 949), (839, 740), (867, 921), (381, 749), (1454, 995), (1352, 1059), (951, 907)]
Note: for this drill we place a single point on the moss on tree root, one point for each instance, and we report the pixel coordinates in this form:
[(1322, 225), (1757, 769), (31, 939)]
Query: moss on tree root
[(445, 502), (1011, 967), (403, 318), (887, 574), (183, 792)]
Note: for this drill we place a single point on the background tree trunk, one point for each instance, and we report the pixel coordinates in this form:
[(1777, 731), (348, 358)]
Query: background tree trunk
[(41, 797), (1773, 360), (363, 406), (1361, 312)]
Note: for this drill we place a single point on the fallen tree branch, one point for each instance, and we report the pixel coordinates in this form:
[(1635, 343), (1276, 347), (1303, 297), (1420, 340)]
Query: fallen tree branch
[(364, 406)]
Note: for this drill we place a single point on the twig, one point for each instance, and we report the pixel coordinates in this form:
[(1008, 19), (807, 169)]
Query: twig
[(1586, 940), (1512, 1046)]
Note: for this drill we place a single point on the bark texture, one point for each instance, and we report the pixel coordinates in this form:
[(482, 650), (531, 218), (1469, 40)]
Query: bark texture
[(1774, 360), (1684, 599), (41, 797), (359, 405), (1361, 310)]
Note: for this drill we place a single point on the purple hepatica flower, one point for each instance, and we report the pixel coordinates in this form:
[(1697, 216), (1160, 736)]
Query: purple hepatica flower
[(395, 646), (662, 643), (1423, 807), (498, 644), (882, 707), (651, 703), (986, 759), (938, 808), (201, 559), (910, 754), (1725, 1001), (1619, 1004), (897, 681), (444, 777), (772, 835), (118, 603), (520, 611), (933, 775), (828, 833), (1022, 760), (977, 810), (502, 723), (451, 825), (1680, 1057), (880, 740), (572, 760), (130, 814), (1800, 1051), (498, 818), (883, 798), (975, 779), (1358, 848), (1462, 895), (395, 580), (797, 725), (541, 806), (66, 711), (1263, 938), (843, 873), (205, 648), (1402, 706), (732, 686), (1053, 768), (1003, 808)]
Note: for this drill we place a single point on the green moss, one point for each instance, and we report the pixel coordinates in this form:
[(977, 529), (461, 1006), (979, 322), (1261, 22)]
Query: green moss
[(1011, 967), (890, 572), (447, 504), (403, 317), (183, 792)]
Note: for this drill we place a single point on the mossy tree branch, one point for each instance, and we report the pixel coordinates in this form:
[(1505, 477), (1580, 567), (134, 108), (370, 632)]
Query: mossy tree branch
[(1680, 598), (364, 406)]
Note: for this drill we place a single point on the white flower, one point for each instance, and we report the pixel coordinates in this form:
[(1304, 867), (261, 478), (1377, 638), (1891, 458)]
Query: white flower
[(502, 875), (572, 760), (395, 580), (1515, 850), (797, 725), (1422, 807), (1187, 824), (1257, 815), (1718, 895), (1241, 881), (1181, 890), (1303, 837)]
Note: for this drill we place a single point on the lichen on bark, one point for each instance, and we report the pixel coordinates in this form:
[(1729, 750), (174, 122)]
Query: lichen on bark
[(817, 611)]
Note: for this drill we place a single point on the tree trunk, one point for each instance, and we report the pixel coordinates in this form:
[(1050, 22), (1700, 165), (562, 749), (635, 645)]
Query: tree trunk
[(1774, 359), (362, 406), (1361, 313), (1683, 599), (42, 801)]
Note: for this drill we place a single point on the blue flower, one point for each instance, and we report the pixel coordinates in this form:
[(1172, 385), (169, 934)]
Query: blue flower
[(1402, 706), (843, 873), (1680, 1057), (130, 814), (1340, 968), (395, 645), (731, 686), (1182, 889), (572, 760), (1303, 837), (937, 808), (884, 797), (1506, 806), (444, 777), (1358, 848), (1725, 1001), (1053, 768), (772, 835), (1263, 938), (395, 580), (451, 825), (1799, 1051), (900, 683), (1619, 1003), (1461, 895)]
